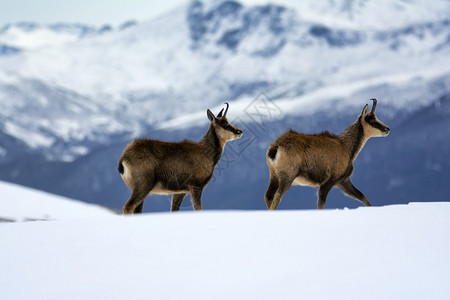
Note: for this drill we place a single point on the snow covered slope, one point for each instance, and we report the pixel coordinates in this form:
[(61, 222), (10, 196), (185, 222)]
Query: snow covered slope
[(18, 203), (70, 105), (393, 252)]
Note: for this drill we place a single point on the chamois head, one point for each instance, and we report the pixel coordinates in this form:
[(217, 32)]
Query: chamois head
[(225, 131), (372, 126)]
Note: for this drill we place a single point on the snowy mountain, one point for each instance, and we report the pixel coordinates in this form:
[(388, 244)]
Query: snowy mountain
[(31, 36), (392, 252), (71, 104)]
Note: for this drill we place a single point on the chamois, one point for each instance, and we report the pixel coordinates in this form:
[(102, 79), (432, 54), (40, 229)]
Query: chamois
[(156, 167), (322, 160)]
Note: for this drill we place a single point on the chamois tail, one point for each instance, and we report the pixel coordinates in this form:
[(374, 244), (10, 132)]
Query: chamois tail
[(121, 168), (272, 152)]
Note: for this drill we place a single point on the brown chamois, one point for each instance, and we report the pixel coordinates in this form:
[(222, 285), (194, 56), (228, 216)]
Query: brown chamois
[(322, 160), (156, 167)]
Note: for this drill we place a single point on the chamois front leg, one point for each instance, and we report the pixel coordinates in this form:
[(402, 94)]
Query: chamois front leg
[(139, 208), (349, 189), (176, 201), (323, 193), (196, 197)]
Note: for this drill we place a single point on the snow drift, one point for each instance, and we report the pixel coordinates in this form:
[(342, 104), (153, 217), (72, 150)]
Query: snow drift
[(393, 252), (19, 203), (72, 102)]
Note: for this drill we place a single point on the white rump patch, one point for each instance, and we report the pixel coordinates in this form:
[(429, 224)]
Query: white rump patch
[(274, 161), (126, 172)]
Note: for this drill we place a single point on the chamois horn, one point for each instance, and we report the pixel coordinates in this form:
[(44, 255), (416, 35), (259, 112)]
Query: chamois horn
[(374, 104), (226, 110)]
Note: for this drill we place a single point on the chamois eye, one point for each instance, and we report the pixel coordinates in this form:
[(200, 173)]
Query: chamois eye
[(223, 122)]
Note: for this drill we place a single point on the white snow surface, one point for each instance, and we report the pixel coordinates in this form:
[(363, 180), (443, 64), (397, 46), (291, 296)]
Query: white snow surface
[(18, 203), (392, 252)]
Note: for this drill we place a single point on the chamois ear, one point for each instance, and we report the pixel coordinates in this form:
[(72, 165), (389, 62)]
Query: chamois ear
[(365, 110), (211, 116)]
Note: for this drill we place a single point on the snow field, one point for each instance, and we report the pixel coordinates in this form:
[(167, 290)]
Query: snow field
[(393, 252)]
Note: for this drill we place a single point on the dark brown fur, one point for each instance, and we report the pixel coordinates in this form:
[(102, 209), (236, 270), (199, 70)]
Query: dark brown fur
[(323, 159), (156, 167)]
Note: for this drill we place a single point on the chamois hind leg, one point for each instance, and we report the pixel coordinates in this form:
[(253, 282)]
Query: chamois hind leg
[(137, 198), (284, 183), (133, 204), (176, 201), (196, 197), (271, 190), (349, 189), (323, 193)]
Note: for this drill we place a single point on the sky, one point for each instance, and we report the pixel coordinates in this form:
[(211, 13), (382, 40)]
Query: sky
[(93, 12)]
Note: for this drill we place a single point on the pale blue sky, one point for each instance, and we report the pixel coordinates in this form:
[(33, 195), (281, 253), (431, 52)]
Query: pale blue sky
[(94, 12)]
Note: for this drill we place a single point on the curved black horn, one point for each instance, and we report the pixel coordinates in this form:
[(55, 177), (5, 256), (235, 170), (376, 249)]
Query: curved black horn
[(226, 110), (219, 115), (374, 104)]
